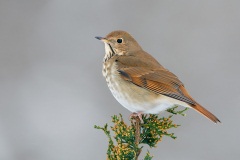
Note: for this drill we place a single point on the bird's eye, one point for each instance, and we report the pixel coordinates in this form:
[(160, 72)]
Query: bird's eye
[(119, 40)]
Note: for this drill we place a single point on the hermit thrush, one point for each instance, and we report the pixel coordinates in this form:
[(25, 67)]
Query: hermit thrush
[(139, 82)]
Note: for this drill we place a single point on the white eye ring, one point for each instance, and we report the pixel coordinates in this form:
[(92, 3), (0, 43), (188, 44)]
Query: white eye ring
[(119, 40)]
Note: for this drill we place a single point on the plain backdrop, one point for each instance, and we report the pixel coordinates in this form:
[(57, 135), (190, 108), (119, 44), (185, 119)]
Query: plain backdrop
[(52, 91)]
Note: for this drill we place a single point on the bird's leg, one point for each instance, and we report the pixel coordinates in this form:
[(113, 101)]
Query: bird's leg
[(137, 120), (138, 114)]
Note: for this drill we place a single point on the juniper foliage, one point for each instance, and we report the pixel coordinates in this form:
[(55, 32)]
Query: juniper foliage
[(127, 139)]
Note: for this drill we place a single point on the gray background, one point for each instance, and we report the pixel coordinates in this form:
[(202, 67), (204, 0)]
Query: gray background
[(52, 91)]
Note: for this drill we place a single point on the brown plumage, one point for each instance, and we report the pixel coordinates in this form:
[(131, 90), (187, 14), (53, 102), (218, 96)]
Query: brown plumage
[(160, 81), (129, 69)]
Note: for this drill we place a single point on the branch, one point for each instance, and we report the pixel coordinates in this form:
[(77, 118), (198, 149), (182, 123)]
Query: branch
[(137, 134)]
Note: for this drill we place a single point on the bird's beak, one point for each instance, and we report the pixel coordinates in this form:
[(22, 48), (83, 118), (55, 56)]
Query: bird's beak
[(102, 39)]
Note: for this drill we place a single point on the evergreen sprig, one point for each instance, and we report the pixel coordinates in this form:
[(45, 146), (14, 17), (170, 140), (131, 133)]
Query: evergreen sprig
[(128, 143)]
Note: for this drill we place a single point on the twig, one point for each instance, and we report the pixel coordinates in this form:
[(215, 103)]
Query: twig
[(137, 134)]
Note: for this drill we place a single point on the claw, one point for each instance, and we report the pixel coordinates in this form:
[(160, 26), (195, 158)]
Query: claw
[(138, 114)]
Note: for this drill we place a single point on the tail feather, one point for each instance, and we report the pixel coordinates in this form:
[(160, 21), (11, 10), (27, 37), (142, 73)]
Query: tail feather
[(205, 112), (198, 107)]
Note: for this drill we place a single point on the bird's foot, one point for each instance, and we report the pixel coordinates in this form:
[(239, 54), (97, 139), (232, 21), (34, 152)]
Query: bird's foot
[(138, 114)]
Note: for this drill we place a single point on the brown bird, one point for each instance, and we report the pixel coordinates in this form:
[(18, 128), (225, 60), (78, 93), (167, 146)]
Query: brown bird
[(139, 82)]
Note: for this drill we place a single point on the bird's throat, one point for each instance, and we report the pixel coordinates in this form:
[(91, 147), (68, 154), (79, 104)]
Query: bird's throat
[(109, 52)]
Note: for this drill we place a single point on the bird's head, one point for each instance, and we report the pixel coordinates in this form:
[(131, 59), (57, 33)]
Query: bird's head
[(120, 43)]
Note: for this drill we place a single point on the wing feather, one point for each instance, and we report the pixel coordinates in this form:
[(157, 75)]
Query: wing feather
[(156, 79)]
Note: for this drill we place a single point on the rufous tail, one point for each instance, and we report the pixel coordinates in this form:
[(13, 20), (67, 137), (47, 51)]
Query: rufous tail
[(205, 112)]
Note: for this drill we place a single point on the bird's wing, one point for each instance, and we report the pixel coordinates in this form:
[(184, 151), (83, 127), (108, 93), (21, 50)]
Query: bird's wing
[(156, 79)]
